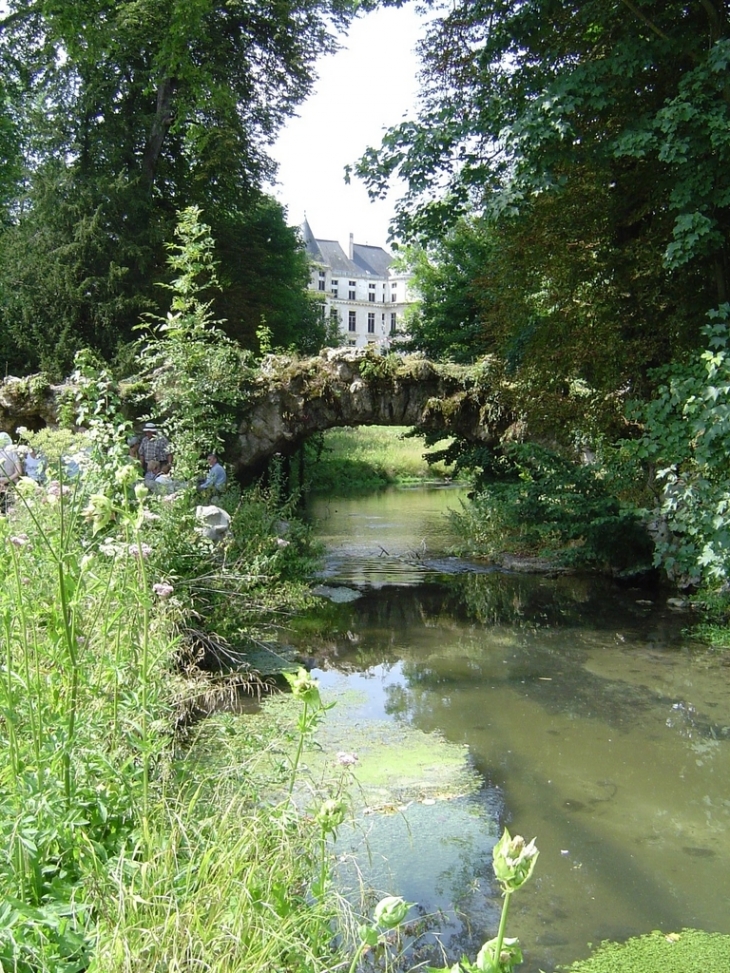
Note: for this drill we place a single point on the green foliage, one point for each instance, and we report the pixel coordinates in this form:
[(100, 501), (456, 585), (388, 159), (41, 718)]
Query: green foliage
[(686, 439), (196, 372), (691, 951), (446, 322), (538, 502), (151, 108), (113, 857), (573, 203), (346, 461)]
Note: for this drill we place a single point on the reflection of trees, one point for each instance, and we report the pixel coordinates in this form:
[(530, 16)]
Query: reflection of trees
[(493, 629)]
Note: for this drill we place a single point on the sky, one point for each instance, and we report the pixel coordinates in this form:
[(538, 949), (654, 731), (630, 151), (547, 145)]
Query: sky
[(366, 87)]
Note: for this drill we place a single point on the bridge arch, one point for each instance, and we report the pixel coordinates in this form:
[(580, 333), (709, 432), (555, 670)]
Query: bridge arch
[(292, 399)]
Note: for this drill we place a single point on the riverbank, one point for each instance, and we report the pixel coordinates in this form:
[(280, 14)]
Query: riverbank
[(124, 848)]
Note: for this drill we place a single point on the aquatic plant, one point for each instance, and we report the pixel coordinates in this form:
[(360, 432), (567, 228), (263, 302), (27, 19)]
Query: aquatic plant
[(684, 952)]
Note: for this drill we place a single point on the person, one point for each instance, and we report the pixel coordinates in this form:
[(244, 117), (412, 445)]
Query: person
[(133, 444), (11, 468), (154, 446), (217, 476), (33, 465)]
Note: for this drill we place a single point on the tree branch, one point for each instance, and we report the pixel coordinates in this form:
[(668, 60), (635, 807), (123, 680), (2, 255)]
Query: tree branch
[(642, 16)]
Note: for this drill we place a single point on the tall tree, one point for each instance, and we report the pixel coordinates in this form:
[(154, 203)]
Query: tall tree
[(125, 113), (594, 136)]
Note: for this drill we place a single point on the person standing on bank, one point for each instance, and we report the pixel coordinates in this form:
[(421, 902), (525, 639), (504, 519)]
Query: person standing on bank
[(217, 476), (154, 446)]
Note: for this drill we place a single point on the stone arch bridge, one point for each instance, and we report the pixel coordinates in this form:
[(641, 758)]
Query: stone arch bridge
[(290, 399)]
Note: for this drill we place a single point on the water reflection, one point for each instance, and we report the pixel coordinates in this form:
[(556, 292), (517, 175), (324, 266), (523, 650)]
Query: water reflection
[(590, 716)]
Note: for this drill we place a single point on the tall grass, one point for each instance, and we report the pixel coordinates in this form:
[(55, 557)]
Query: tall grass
[(117, 850)]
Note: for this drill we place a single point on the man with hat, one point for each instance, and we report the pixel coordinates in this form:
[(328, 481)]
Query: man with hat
[(154, 447)]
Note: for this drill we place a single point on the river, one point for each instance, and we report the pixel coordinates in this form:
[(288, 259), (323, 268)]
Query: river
[(586, 715)]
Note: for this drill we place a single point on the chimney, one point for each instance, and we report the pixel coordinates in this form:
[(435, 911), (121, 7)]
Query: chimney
[(352, 245)]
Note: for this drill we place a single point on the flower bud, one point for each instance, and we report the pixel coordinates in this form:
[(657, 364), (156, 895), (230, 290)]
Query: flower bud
[(304, 687), (391, 911), (331, 815), (514, 860)]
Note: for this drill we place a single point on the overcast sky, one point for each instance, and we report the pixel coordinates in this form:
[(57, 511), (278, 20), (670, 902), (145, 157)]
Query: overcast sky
[(363, 89)]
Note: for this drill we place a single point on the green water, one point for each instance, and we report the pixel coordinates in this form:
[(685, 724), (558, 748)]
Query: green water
[(590, 719)]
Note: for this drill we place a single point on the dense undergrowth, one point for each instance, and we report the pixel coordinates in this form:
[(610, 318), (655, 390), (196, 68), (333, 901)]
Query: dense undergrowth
[(114, 856)]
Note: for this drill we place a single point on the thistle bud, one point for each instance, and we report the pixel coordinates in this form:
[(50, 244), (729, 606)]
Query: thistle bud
[(391, 911), (514, 860)]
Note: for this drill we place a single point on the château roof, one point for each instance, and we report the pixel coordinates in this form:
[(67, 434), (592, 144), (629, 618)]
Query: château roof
[(366, 261)]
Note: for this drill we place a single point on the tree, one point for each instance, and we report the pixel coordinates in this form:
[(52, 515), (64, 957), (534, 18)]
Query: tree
[(125, 113), (594, 137)]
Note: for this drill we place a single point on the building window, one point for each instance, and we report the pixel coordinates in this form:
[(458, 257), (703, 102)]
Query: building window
[(333, 287), (394, 291), (371, 296), (351, 295), (371, 324), (351, 283), (321, 283), (351, 319), (393, 323)]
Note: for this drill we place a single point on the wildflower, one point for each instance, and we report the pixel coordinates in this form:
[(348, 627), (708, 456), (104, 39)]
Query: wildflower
[(346, 759), (127, 474), (162, 589), (514, 860), (136, 549), (19, 540), (510, 955)]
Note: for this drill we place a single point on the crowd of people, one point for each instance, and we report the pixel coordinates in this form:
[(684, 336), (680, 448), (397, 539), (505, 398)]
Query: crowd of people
[(151, 449)]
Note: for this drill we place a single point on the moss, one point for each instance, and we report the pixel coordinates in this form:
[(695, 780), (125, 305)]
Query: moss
[(691, 951), (38, 384)]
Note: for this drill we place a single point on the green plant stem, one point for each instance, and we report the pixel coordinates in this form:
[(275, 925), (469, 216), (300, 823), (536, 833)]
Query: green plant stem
[(502, 928), (69, 640), (144, 678), (356, 958), (21, 614), (300, 747), (323, 862)]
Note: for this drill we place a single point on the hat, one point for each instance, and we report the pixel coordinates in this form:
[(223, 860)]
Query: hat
[(149, 427), (5, 439), (133, 440)]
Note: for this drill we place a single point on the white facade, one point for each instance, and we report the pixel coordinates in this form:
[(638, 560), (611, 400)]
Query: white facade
[(360, 288)]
